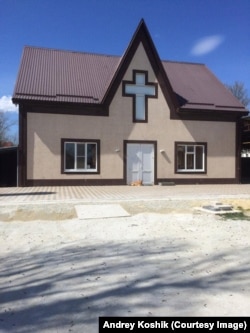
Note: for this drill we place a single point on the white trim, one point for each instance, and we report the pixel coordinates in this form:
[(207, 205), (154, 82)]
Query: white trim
[(187, 153), (75, 170)]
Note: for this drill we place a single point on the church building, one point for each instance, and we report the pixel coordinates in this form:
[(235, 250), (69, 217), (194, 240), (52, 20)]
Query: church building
[(92, 119)]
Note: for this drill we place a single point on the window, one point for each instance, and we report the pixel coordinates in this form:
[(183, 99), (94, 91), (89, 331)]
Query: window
[(190, 157), (80, 156), (140, 90)]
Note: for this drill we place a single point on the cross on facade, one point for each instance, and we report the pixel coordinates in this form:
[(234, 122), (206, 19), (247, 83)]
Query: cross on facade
[(140, 89)]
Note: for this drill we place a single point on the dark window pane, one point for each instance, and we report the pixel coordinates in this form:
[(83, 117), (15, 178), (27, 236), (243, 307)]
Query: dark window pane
[(69, 156), (199, 157), (181, 157), (80, 162), (91, 156), (190, 161), (190, 149), (81, 149)]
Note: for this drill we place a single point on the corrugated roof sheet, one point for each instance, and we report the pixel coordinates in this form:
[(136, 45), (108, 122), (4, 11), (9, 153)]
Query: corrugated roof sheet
[(55, 75), (199, 87), (65, 76)]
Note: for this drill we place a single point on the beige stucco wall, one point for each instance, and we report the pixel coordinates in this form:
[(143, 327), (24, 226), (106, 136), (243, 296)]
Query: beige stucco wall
[(45, 132)]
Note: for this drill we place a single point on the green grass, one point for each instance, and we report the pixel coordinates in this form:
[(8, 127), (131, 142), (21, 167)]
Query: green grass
[(235, 216)]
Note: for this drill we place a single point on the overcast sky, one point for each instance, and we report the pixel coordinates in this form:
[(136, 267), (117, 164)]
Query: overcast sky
[(214, 32)]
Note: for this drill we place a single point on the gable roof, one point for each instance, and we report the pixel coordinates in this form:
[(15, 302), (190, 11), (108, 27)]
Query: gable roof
[(142, 35), (74, 77), (198, 88), (63, 76)]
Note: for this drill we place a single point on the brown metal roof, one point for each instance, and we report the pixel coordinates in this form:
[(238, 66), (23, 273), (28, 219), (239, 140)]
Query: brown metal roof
[(65, 76), (198, 87)]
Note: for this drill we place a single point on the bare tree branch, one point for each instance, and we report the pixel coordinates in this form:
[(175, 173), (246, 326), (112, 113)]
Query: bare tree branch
[(239, 91), (5, 125)]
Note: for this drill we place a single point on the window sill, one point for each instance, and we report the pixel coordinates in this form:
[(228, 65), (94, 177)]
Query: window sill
[(190, 172), (82, 172)]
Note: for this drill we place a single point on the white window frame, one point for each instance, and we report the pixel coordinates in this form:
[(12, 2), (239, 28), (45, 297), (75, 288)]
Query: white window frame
[(86, 169), (191, 153)]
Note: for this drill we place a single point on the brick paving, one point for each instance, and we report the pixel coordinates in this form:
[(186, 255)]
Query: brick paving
[(120, 193)]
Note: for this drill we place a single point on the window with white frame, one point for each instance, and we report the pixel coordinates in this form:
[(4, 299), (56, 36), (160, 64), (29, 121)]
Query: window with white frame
[(80, 156), (191, 157)]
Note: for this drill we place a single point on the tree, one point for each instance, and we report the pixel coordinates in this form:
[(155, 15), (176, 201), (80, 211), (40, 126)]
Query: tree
[(239, 91), (5, 125)]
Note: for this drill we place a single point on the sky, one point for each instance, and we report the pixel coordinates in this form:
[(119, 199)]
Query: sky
[(212, 32)]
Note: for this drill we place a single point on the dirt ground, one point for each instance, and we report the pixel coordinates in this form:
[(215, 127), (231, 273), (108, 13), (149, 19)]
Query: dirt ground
[(65, 211), (61, 275)]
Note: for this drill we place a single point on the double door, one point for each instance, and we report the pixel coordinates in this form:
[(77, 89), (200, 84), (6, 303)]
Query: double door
[(140, 163)]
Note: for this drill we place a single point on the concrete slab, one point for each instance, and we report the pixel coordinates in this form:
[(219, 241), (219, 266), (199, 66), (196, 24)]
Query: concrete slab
[(100, 211), (218, 208)]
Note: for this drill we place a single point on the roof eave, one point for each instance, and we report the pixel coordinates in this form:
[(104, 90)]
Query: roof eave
[(62, 107), (218, 114)]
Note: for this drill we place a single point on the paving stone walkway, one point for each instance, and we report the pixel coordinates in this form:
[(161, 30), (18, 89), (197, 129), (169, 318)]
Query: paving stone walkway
[(121, 193)]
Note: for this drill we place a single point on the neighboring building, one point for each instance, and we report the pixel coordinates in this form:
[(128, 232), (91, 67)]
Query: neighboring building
[(8, 165), (96, 119), (245, 151)]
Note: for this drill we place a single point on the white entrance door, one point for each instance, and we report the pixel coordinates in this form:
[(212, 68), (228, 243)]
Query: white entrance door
[(140, 163)]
